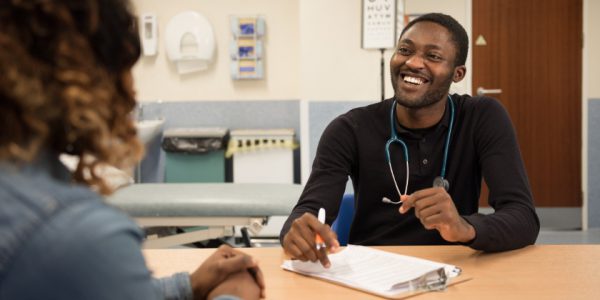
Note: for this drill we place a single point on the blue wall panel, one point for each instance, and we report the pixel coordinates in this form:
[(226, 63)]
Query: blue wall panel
[(320, 114), (227, 114)]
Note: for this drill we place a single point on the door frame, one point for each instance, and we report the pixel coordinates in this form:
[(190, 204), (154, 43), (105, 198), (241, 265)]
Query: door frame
[(584, 119), (468, 24)]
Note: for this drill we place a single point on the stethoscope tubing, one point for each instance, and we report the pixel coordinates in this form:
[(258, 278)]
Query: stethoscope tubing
[(394, 138)]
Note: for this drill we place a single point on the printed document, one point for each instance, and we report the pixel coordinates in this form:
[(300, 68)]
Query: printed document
[(379, 272)]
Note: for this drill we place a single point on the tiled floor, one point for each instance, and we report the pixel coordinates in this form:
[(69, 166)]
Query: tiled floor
[(562, 226), (591, 236)]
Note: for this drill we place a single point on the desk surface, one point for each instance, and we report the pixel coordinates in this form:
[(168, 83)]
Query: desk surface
[(535, 272)]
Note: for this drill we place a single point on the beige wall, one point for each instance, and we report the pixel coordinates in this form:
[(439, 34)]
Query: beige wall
[(312, 52), (157, 78), (334, 67), (592, 48)]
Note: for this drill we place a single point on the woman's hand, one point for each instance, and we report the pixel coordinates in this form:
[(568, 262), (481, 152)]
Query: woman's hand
[(241, 284), (224, 263)]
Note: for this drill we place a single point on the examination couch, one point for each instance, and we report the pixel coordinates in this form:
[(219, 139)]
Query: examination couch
[(217, 207)]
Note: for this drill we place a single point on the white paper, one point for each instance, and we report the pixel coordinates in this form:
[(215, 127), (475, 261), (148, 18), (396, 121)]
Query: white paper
[(371, 269)]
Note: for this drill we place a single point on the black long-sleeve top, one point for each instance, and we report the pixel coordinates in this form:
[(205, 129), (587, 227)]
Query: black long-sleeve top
[(483, 144)]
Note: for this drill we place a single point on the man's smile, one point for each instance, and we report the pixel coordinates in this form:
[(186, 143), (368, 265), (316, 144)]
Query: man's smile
[(413, 79), (412, 82)]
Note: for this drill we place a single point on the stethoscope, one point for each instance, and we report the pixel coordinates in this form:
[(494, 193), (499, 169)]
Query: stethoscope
[(439, 181)]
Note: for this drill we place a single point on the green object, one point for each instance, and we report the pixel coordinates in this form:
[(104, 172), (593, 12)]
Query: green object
[(194, 154), (195, 167)]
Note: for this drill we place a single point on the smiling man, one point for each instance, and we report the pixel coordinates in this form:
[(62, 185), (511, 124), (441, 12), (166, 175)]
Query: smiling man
[(417, 160)]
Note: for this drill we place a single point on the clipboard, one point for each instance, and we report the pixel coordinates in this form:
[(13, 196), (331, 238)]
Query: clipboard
[(381, 273)]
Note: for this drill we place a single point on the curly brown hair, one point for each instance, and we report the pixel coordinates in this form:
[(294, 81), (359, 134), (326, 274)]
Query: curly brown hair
[(65, 84)]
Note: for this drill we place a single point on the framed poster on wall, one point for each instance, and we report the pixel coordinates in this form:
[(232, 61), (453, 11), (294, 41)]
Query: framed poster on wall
[(378, 24)]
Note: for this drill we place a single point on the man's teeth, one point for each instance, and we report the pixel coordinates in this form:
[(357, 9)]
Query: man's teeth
[(413, 80)]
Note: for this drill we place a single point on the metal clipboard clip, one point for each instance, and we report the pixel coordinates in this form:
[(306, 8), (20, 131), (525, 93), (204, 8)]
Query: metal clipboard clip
[(435, 280), (432, 281)]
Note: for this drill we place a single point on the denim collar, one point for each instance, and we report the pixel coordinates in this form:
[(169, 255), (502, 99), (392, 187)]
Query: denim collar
[(46, 162)]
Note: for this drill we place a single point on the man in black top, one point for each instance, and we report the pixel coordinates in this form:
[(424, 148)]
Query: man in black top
[(450, 142)]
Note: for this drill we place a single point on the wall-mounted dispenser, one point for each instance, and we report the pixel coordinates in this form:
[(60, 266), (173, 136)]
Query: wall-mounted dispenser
[(149, 33), (246, 47), (190, 42)]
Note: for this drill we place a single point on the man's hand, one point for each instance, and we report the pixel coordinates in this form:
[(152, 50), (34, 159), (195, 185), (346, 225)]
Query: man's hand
[(435, 209), (222, 264), (299, 242)]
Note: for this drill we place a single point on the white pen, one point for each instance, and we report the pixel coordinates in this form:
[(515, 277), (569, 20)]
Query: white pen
[(318, 239)]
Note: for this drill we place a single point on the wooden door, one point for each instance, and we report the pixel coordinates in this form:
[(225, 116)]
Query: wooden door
[(532, 51)]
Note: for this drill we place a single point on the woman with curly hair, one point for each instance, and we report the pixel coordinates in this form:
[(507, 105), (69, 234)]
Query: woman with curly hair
[(66, 87)]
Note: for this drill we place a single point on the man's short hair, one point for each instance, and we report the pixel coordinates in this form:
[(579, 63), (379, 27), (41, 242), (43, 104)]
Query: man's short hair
[(459, 35)]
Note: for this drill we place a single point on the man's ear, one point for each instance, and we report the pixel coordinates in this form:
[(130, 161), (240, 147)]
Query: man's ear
[(459, 73)]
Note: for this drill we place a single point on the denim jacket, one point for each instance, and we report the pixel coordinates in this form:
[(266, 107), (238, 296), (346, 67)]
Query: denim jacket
[(59, 240)]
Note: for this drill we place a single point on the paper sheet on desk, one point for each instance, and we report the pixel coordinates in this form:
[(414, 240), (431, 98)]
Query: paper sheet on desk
[(379, 272)]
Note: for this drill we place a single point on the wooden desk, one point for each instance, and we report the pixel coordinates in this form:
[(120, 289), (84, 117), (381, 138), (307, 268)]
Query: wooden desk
[(535, 272)]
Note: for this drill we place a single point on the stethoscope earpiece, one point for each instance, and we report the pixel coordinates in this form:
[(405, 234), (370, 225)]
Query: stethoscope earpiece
[(387, 200)]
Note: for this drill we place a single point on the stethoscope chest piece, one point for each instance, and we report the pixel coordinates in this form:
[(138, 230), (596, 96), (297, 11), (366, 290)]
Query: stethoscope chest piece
[(441, 182)]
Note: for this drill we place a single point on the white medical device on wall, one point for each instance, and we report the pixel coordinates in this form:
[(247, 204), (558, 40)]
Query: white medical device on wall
[(149, 34), (246, 47), (190, 42)]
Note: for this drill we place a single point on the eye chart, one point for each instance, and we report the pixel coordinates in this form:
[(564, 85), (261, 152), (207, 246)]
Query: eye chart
[(378, 24)]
